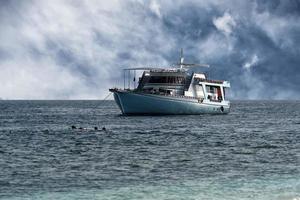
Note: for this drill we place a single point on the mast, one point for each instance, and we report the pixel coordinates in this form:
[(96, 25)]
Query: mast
[(181, 58), (186, 65)]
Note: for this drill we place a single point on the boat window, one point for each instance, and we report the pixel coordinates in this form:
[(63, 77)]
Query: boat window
[(210, 89), (214, 92), (157, 79), (167, 79)]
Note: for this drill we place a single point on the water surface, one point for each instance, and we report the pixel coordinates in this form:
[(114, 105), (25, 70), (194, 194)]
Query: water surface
[(251, 153)]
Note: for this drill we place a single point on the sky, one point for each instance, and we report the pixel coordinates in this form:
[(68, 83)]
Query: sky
[(76, 49)]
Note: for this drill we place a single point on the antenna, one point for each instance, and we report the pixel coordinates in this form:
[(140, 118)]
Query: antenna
[(186, 65), (181, 58)]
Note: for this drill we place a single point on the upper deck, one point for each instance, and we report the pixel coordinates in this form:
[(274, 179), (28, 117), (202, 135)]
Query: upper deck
[(179, 81)]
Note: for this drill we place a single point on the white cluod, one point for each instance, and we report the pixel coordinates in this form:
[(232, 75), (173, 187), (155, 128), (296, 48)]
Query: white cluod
[(155, 8), (251, 63), (225, 23)]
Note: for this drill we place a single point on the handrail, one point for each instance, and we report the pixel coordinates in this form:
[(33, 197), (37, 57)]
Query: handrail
[(209, 81), (135, 91)]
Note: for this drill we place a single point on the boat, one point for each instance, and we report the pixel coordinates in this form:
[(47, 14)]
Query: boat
[(171, 90)]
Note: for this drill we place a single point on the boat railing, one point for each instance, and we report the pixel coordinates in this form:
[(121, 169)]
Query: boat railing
[(209, 81), (200, 99), (168, 95)]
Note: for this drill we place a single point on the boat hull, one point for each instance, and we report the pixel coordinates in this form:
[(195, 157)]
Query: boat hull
[(132, 103)]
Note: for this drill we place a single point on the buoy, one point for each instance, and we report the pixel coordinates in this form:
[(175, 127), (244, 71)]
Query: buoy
[(103, 128), (73, 127), (96, 128)]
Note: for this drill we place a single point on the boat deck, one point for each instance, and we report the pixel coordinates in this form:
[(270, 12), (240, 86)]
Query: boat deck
[(158, 94), (209, 80)]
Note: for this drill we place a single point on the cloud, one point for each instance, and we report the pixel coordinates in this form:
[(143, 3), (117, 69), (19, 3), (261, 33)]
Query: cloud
[(72, 50), (76, 49), (225, 23), (251, 63), (155, 7)]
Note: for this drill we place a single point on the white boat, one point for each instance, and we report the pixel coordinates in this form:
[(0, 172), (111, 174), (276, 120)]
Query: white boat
[(166, 91)]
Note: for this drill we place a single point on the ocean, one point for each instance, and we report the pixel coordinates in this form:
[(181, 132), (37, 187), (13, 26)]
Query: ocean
[(251, 153)]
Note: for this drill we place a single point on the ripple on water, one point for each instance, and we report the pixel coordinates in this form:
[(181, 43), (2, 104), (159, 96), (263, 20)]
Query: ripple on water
[(251, 153)]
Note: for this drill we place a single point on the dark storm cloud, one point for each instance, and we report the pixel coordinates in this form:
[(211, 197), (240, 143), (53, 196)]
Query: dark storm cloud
[(75, 49), (276, 73), (279, 7), (189, 23)]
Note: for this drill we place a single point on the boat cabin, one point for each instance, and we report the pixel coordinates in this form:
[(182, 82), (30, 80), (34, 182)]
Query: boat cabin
[(178, 82), (164, 82)]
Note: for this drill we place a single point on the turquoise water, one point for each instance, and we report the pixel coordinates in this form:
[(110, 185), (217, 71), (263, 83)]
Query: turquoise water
[(252, 153)]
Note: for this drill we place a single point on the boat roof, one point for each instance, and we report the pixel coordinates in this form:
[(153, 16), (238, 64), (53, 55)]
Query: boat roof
[(181, 66), (156, 69), (142, 68)]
